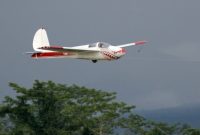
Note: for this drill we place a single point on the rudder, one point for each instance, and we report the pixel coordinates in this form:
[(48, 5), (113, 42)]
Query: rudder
[(40, 40)]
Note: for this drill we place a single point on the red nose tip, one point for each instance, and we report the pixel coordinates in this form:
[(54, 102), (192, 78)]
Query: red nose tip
[(123, 50)]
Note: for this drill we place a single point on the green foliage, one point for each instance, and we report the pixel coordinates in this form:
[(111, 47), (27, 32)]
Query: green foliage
[(191, 131), (53, 109), (56, 109), (138, 125)]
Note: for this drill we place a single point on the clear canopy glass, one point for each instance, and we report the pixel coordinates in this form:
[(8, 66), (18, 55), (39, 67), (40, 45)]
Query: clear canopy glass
[(100, 45)]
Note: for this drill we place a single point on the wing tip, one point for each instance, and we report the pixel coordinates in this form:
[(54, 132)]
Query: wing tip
[(140, 42)]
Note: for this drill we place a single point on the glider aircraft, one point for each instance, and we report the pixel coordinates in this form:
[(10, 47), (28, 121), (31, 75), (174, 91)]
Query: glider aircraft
[(94, 52)]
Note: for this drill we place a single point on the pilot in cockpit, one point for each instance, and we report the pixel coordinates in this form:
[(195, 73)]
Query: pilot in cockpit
[(100, 45)]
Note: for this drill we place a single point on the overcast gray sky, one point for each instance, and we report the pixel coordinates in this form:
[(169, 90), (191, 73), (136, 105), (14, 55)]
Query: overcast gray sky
[(166, 73)]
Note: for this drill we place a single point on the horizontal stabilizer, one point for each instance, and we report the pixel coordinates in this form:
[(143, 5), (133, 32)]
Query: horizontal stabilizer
[(29, 52)]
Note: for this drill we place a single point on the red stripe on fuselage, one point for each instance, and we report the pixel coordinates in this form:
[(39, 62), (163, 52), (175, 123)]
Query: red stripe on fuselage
[(53, 47), (49, 54)]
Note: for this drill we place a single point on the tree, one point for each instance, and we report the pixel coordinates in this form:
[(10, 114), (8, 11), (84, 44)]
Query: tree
[(56, 109), (138, 125), (191, 131), (53, 109), (3, 127)]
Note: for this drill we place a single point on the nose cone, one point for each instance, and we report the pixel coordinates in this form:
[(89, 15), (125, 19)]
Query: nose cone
[(121, 52)]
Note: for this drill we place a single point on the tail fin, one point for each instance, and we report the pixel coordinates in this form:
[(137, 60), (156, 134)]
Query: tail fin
[(40, 40)]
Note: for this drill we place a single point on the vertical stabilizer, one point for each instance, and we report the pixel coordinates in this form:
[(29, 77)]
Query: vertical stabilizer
[(40, 40)]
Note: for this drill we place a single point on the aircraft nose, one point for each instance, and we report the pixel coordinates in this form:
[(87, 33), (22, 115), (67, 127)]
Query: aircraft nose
[(123, 51)]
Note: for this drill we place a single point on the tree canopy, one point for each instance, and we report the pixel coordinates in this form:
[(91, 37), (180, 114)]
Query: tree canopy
[(57, 109)]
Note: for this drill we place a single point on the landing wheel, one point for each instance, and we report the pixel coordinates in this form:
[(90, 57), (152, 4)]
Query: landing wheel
[(94, 61)]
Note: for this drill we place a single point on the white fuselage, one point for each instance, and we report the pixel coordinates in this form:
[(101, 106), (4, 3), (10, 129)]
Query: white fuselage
[(102, 53), (110, 53)]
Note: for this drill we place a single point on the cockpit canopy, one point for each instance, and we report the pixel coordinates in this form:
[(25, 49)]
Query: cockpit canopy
[(100, 45)]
